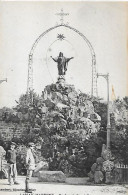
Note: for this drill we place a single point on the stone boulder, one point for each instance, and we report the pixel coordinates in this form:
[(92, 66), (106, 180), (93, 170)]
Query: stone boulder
[(106, 155), (42, 165), (98, 177), (109, 178), (93, 168), (51, 176), (91, 176), (89, 108)]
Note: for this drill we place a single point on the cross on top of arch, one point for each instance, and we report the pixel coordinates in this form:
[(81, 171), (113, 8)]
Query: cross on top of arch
[(62, 14)]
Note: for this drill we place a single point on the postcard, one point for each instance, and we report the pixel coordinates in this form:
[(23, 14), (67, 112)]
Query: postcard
[(63, 97)]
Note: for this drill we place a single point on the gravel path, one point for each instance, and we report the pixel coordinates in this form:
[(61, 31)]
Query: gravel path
[(40, 188)]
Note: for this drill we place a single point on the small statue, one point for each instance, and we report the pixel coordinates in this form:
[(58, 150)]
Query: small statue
[(62, 63)]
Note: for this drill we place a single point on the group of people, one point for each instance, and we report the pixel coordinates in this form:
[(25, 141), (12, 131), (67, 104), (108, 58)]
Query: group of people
[(30, 164)]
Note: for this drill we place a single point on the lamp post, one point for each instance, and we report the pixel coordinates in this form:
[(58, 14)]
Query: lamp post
[(106, 76)]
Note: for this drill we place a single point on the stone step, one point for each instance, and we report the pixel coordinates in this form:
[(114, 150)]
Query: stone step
[(51, 176)]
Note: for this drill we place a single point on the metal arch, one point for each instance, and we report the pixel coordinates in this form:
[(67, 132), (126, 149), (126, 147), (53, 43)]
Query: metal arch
[(30, 67)]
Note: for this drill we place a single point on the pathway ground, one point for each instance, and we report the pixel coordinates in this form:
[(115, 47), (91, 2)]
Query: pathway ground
[(73, 186)]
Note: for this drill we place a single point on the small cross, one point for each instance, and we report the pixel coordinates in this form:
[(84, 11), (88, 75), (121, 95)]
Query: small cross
[(62, 14)]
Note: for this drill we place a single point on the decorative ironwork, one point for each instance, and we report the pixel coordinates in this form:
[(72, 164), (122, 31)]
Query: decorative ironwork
[(30, 67), (62, 14), (60, 37)]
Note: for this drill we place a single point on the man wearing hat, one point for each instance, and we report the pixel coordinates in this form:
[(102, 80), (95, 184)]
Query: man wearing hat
[(30, 164), (11, 160)]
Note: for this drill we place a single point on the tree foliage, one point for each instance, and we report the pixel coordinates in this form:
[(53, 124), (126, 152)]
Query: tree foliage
[(52, 126)]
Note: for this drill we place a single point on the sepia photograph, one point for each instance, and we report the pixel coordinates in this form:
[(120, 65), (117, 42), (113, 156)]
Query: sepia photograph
[(63, 98)]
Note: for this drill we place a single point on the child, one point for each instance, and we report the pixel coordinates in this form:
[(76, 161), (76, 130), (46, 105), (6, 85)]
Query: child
[(11, 160), (30, 163)]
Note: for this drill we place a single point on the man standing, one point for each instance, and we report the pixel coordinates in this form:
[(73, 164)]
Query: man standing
[(62, 63), (30, 164), (11, 160)]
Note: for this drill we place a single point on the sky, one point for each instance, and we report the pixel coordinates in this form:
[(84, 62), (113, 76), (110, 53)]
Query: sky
[(103, 23)]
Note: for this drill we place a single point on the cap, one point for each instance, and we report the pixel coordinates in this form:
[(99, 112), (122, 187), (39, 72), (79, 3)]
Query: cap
[(13, 144), (31, 144)]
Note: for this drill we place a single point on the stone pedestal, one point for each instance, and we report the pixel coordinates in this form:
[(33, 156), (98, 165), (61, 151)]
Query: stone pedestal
[(61, 80), (51, 176)]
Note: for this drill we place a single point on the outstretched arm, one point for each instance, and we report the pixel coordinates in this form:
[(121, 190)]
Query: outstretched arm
[(68, 59), (54, 59)]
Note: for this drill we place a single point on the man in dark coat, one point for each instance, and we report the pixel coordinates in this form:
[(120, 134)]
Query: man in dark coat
[(11, 160)]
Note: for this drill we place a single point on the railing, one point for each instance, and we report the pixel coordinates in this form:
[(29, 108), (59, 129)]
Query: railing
[(121, 174)]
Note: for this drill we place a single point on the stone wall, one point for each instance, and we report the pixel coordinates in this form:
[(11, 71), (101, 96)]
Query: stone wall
[(9, 131)]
